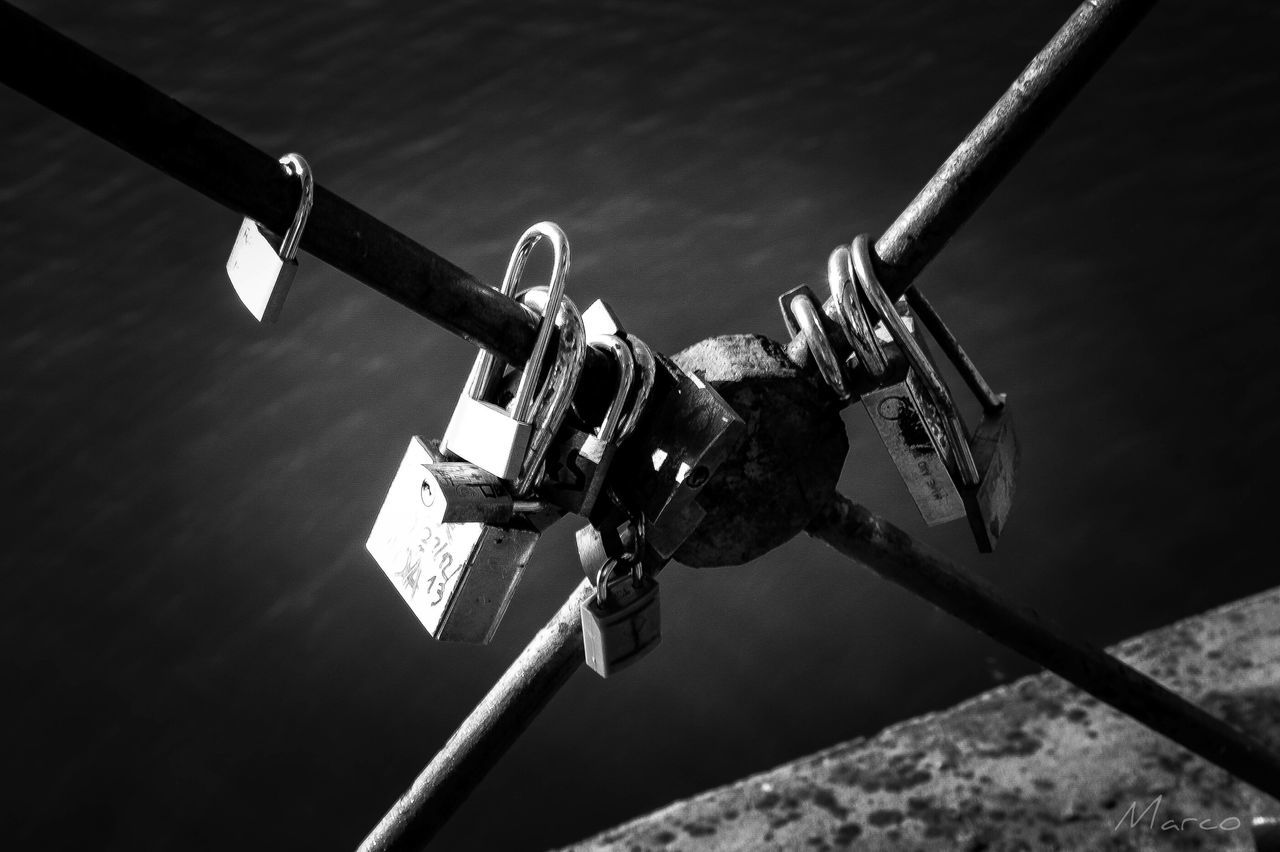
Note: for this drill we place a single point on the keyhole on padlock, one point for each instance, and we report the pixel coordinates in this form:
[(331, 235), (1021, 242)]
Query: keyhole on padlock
[(428, 493)]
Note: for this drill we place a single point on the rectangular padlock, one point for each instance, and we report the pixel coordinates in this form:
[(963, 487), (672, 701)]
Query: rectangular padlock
[(622, 629), (689, 431), (458, 578), (997, 453), (262, 265), (910, 426), (259, 274)]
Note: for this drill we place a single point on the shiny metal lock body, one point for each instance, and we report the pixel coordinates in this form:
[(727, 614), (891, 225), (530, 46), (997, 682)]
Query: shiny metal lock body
[(262, 265), (481, 430), (458, 578), (910, 427), (998, 454), (577, 473), (621, 623), (912, 408)]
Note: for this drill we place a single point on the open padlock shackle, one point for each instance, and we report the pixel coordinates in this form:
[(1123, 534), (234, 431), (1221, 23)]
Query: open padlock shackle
[(296, 164), (626, 362), (852, 313), (967, 469), (562, 379)]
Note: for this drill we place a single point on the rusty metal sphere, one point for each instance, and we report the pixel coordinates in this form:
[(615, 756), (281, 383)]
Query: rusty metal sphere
[(788, 463)]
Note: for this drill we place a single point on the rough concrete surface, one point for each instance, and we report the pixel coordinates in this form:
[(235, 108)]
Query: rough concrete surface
[(1032, 765)]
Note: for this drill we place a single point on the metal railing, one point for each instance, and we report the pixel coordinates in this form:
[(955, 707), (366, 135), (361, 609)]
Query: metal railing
[(117, 106)]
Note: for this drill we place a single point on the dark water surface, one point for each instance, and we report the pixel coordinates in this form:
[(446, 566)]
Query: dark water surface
[(198, 652)]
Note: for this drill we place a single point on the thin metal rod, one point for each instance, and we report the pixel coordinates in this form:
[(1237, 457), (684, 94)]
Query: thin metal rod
[(497, 721), (1041, 92), (108, 101), (895, 556), (991, 401)]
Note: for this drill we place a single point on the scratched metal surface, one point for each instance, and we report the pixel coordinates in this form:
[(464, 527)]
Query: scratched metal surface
[(199, 653), (1036, 765)]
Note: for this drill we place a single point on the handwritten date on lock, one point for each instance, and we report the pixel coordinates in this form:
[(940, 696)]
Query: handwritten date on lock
[(456, 577)]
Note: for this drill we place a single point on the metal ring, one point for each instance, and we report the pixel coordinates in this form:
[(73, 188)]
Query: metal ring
[(819, 344), (626, 378), (559, 271), (648, 369), (556, 393), (296, 164), (852, 314), (920, 362)]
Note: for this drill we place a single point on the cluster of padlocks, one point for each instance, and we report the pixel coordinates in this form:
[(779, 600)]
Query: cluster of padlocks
[(461, 518), (950, 472), (464, 513)]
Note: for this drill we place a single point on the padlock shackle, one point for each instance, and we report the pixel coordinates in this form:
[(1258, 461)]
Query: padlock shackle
[(626, 363), (551, 310), (296, 164), (884, 307), (809, 324), (647, 366), (851, 313), (557, 392), (602, 578)]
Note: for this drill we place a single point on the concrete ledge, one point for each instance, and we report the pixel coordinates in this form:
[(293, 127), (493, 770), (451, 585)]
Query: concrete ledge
[(1036, 764)]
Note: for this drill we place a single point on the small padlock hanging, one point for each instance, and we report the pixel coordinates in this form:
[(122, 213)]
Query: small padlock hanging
[(262, 265), (621, 622), (482, 431)]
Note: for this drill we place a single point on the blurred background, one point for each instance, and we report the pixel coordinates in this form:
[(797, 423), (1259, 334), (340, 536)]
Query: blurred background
[(200, 654)]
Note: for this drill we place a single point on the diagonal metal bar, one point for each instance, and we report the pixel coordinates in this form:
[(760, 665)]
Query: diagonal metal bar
[(897, 557), (537, 674), (991, 150)]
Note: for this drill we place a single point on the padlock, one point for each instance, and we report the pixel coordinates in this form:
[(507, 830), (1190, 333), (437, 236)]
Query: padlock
[(995, 448), (913, 411), (481, 431), (582, 459), (262, 265), (461, 493), (459, 577), (803, 318), (621, 622), (997, 454), (688, 431)]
